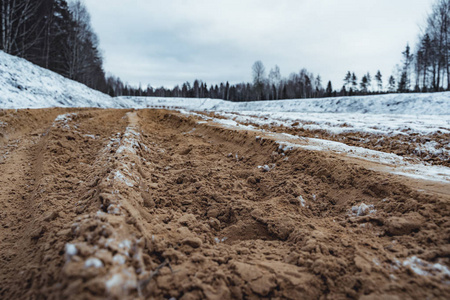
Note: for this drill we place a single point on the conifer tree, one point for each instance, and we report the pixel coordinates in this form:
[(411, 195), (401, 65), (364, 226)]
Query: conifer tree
[(379, 79)]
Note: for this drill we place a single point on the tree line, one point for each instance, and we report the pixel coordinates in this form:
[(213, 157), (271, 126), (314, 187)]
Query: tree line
[(54, 34), (271, 86), (430, 63)]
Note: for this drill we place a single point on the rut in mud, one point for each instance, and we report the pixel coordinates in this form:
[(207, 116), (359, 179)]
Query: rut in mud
[(152, 204)]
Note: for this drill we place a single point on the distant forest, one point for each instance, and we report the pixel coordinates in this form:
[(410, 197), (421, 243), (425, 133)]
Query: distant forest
[(57, 35)]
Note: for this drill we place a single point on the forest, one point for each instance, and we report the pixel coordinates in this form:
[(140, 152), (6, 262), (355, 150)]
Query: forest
[(54, 34), (58, 35)]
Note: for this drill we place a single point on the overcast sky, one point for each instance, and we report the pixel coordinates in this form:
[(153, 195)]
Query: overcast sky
[(168, 42)]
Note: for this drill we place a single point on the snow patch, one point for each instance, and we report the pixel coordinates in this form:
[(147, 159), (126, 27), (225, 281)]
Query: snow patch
[(121, 282), (217, 240), (119, 259), (302, 201), (71, 250), (93, 262), (424, 268), (114, 209), (125, 244), (267, 168), (119, 176), (363, 210)]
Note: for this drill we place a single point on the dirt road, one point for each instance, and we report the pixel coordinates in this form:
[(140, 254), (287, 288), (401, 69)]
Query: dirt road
[(122, 204)]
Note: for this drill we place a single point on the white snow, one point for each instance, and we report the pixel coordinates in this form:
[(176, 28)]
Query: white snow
[(338, 123), (363, 210), (130, 141), (265, 168), (119, 176), (93, 262), (71, 250), (302, 201), (392, 104), (424, 268), (121, 282), (125, 244), (217, 240), (65, 117), (25, 85), (119, 259), (114, 209), (397, 164)]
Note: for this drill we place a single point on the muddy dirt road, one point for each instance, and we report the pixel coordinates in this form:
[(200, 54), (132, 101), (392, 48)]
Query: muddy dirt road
[(153, 204)]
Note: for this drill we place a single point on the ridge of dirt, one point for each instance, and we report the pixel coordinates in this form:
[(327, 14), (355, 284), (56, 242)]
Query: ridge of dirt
[(153, 204), (408, 146)]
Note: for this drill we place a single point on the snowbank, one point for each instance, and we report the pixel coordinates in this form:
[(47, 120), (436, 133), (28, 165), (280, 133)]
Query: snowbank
[(25, 85), (409, 104)]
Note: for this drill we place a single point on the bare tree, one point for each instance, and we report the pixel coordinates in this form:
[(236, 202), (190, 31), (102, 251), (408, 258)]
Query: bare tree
[(275, 82), (438, 25), (259, 74), (18, 34)]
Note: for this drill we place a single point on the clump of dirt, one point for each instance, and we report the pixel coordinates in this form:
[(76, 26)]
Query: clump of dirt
[(153, 204)]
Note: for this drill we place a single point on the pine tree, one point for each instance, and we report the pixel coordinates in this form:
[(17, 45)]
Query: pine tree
[(403, 83), (405, 80), (369, 81), (379, 79), (348, 79), (364, 84), (391, 84), (329, 89), (354, 82)]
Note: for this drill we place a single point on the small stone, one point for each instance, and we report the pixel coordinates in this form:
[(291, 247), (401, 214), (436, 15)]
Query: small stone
[(51, 216), (187, 220), (214, 223), (194, 242), (402, 226)]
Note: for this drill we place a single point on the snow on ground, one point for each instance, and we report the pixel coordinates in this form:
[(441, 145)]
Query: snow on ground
[(411, 104), (25, 85), (338, 123)]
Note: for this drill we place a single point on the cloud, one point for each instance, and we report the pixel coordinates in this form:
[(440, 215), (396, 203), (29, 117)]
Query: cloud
[(173, 41)]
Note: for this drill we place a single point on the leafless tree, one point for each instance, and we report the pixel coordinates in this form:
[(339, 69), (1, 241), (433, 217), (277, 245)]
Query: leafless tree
[(18, 34), (259, 74)]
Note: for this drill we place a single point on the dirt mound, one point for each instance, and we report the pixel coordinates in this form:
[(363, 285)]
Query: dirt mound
[(152, 204), (431, 148)]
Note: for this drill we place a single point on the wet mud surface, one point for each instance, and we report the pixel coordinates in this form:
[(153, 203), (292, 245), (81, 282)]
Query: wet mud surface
[(151, 204)]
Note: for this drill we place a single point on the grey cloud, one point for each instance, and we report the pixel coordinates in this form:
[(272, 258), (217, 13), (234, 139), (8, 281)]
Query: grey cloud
[(170, 42)]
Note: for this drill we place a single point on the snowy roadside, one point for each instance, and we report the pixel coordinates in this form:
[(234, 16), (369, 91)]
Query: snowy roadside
[(339, 123), (396, 164), (426, 137)]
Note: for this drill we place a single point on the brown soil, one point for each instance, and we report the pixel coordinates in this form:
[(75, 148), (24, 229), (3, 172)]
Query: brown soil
[(115, 204)]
